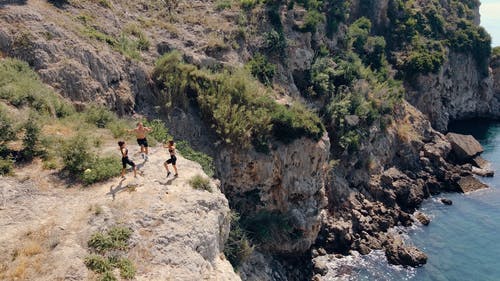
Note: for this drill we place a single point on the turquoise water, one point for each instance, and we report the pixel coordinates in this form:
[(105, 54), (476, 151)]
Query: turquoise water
[(463, 240)]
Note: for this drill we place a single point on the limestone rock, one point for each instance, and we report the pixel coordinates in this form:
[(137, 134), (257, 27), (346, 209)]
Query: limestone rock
[(470, 183), (399, 254), (289, 180), (422, 218), (178, 235), (464, 147)]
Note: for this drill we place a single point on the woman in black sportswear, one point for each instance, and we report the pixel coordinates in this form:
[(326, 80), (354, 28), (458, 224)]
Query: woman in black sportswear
[(125, 159), (173, 160)]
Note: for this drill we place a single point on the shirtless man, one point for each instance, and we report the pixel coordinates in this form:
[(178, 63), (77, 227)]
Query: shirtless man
[(140, 132)]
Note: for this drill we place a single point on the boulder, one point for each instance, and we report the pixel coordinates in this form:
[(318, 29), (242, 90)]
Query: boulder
[(399, 254), (464, 147), (470, 183), (446, 201), (482, 172), (422, 218)]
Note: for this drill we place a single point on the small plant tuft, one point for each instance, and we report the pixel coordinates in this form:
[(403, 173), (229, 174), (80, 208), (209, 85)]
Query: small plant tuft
[(200, 182)]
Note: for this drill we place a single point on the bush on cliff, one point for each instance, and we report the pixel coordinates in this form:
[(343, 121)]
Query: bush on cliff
[(239, 108), (238, 247)]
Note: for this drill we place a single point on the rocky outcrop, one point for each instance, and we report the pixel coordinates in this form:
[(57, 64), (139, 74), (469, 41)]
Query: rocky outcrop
[(458, 91), (400, 254), (289, 180), (470, 183), (464, 147), (368, 198), (78, 69), (178, 232)]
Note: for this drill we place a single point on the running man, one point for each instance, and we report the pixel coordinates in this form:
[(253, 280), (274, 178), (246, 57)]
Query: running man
[(140, 132), (173, 159), (125, 160)]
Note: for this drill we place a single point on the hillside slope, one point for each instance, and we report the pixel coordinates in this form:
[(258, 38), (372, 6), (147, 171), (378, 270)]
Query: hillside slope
[(178, 233)]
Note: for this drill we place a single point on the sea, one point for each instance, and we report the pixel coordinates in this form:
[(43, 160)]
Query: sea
[(462, 241)]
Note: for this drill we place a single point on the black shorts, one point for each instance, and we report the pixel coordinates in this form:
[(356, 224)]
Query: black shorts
[(142, 142), (126, 161), (172, 160)]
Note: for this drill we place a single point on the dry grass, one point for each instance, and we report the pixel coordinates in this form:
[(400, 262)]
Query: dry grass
[(29, 258)]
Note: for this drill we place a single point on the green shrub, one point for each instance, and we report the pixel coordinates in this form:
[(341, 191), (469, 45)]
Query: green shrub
[(119, 128), (237, 106), (101, 169), (206, 162), (238, 247), (6, 127), (248, 4), (275, 43), (99, 116), (6, 165), (221, 5), (20, 86), (108, 276), (158, 130), (201, 183), (262, 69), (322, 76), (127, 268), (31, 138), (76, 156), (97, 263), (114, 239), (312, 19)]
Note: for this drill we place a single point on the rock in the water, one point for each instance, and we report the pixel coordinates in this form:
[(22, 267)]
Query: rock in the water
[(446, 201), (320, 267), (480, 162), (399, 254), (464, 147), (470, 183), (482, 172), (422, 218)]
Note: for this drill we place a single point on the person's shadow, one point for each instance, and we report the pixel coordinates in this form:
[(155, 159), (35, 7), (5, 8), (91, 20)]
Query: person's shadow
[(117, 189), (168, 182)]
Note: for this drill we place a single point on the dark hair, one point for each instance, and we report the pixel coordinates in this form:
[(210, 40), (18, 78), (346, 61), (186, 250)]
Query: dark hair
[(171, 142), (121, 143)]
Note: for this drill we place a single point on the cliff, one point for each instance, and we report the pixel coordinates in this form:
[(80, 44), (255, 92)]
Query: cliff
[(177, 232), (321, 117)]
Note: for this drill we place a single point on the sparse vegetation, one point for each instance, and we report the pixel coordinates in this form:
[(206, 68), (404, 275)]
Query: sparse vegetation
[(109, 246), (201, 183), (238, 247), (206, 162), (262, 69), (238, 107), (267, 226)]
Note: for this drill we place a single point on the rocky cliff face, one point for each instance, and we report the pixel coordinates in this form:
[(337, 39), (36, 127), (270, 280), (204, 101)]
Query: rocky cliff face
[(457, 91), (495, 68), (289, 180), (82, 71)]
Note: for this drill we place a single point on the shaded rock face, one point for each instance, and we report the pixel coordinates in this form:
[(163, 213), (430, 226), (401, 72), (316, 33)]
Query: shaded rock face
[(289, 180), (458, 91), (495, 70)]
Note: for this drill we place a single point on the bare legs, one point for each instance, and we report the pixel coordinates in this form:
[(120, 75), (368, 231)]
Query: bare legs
[(168, 171)]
